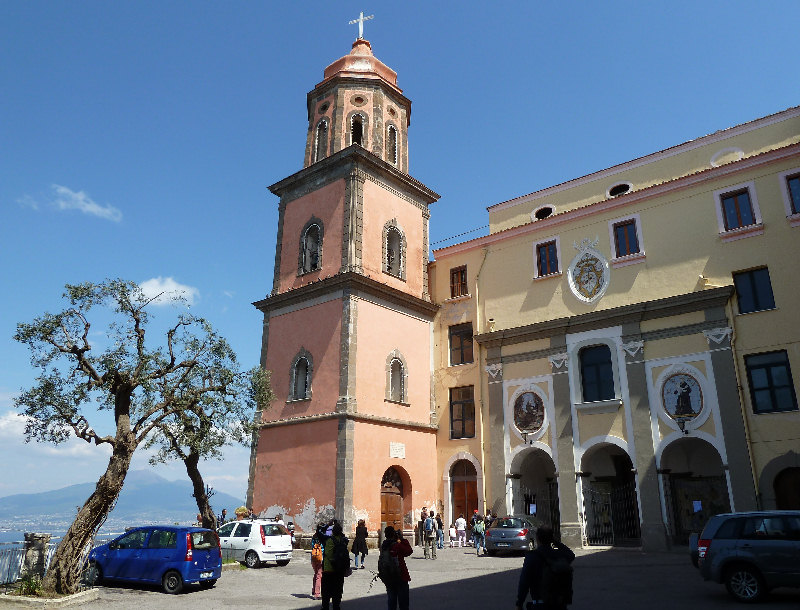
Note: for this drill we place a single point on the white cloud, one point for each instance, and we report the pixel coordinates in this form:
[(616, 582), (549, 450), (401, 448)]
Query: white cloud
[(67, 199), (28, 202), (164, 289), (228, 293)]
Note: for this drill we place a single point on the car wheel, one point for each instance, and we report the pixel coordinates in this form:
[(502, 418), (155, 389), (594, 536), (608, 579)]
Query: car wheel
[(208, 584), (283, 562), (744, 583), (92, 575), (252, 560), (172, 582)]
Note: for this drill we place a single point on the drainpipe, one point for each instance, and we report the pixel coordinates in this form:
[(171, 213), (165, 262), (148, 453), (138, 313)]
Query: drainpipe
[(479, 360)]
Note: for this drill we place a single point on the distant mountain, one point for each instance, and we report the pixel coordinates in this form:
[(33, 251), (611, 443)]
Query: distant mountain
[(145, 498)]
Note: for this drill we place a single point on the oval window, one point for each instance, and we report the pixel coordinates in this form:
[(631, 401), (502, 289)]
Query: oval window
[(619, 189)]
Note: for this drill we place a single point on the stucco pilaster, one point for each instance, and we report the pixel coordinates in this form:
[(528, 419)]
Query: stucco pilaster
[(740, 470), (571, 533), (344, 472), (426, 217), (276, 274), (338, 128), (377, 124), (353, 221), (346, 402), (654, 535), (494, 429)]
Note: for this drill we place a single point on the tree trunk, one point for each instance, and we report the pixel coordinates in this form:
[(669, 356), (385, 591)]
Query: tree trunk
[(209, 520), (63, 575)]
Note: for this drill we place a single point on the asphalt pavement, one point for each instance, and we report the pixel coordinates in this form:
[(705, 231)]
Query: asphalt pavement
[(604, 578)]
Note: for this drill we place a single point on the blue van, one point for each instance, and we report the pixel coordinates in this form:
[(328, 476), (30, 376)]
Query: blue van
[(172, 556)]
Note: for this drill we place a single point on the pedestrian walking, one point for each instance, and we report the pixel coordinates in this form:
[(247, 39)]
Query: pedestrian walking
[(392, 568), (479, 535), (439, 532), (429, 536), (546, 574), (359, 547), (317, 554), (335, 564), (461, 530), (453, 535)]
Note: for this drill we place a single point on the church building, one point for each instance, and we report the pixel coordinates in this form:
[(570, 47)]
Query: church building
[(614, 358)]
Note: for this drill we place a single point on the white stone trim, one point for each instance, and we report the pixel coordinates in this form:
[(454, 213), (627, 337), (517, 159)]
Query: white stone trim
[(536, 245), (793, 218), (634, 257), (747, 230)]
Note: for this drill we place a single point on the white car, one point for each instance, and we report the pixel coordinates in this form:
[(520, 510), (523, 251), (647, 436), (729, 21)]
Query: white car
[(255, 541)]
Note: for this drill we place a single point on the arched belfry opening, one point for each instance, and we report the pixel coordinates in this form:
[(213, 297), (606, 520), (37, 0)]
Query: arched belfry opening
[(357, 129)]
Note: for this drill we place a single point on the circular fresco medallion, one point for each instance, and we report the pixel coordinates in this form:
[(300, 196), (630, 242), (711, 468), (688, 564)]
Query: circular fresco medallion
[(682, 396), (529, 412)]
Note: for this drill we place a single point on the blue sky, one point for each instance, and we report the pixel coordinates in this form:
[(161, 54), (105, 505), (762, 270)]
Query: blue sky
[(137, 139)]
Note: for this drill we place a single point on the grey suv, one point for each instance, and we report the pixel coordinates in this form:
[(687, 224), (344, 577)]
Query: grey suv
[(751, 552)]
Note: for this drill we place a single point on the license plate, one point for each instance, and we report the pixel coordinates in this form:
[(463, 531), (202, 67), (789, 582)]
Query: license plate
[(206, 574), (503, 544)]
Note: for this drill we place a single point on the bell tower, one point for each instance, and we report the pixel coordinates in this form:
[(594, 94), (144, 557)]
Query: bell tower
[(358, 102), (347, 322)]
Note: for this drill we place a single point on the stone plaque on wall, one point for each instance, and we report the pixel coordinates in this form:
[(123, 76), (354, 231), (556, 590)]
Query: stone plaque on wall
[(397, 450)]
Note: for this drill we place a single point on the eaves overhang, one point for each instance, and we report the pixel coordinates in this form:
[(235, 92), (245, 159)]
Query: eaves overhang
[(350, 281), (636, 312)]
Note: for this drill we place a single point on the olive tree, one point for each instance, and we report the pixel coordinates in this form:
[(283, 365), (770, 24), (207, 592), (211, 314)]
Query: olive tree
[(143, 386), (203, 427)]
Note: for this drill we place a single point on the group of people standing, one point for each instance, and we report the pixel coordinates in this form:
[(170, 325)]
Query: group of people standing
[(331, 563)]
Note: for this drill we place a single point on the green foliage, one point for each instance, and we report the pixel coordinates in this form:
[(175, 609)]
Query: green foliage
[(30, 585)]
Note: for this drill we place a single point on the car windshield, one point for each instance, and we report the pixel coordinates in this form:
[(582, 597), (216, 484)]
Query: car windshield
[(510, 523), (204, 540)]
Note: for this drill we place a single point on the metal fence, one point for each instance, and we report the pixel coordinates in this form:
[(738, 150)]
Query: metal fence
[(12, 557)]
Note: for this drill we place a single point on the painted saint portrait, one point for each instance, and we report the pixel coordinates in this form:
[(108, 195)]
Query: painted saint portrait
[(682, 396), (529, 412)]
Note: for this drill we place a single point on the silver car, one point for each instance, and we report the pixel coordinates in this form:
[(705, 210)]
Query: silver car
[(511, 534), (256, 541), (751, 552)]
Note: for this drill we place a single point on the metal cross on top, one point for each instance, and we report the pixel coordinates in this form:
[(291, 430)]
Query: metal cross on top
[(360, 21)]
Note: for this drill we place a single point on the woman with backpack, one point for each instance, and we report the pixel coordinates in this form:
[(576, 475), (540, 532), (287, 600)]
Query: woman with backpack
[(392, 568), (360, 543), (317, 552), (335, 566)]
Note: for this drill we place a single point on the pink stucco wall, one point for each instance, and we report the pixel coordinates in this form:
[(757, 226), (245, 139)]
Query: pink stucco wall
[(383, 206), (326, 204), (295, 465), (318, 330), (380, 331), (371, 460)]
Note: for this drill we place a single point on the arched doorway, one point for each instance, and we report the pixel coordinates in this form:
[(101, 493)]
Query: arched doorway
[(464, 488), (391, 499), (696, 487), (610, 503), (787, 489), (538, 489)]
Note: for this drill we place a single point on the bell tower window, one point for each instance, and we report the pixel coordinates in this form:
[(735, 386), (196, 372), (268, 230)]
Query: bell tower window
[(321, 141), (310, 255), (394, 250), (357, 129), (391, 145)]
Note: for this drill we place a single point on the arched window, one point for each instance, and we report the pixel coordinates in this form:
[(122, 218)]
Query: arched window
[(396, 377), (394, 250), (396, 389), (311, 249), (321, 141), (301, 376), (357, 129), (391, 145), (597, 373)]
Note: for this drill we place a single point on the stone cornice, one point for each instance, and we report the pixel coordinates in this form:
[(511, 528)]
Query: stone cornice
[(356, 417), (326, 86), (339, 165), (355, 283), (636, 312), (548, 225)]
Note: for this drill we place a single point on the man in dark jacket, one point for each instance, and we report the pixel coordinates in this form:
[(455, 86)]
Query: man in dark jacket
[(531, 579), (397, 592)]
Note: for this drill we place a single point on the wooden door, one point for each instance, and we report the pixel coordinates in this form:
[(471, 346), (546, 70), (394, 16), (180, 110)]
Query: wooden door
[(392, 509)]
